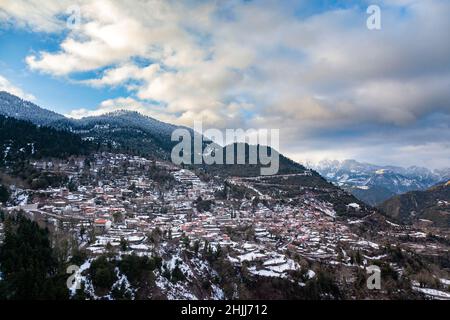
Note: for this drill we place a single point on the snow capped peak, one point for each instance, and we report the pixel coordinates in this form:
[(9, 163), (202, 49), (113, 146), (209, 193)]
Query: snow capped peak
[(368, 181)]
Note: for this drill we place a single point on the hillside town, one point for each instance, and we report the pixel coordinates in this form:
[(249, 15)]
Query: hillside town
[(132, 205)]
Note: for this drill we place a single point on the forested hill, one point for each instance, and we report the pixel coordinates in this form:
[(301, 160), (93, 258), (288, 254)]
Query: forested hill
[(20, 140), (13, 106), (432, 205)]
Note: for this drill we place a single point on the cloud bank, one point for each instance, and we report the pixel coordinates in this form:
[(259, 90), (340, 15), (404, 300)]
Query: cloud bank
[(333, 87)]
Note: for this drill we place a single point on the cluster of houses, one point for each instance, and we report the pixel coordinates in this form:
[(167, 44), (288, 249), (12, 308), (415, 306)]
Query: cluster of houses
[(117, 202)]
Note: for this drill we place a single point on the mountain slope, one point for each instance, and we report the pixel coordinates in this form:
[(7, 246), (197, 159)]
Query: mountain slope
[(13, 106), (133, 133), (432, 204), (285, 166), (22, 140), (125, 131)]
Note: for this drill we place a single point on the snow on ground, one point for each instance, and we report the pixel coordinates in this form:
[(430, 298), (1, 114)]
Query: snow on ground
[(251, 256), (174, 291), (418, 235), (433, 293), (445, 281), (140, 247), (310, 274), (123, 280), (329, 212), (217, 293), (275, 261), (376, 257), (233, 260), (79, 278), (354, 221), (366, 243), (289, 265), (249, 246), (354, 205), (176, 259), (392, 224), (267, 273)]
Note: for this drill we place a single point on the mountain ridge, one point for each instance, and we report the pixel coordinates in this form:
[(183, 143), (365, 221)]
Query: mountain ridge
[(374, 183), (10, 106), (431, 205)]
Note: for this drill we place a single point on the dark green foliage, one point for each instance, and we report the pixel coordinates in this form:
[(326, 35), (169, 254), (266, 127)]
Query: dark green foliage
[(158, 262), (43, 180), (125, 131), (120, 292), (373, 196), (28, 264), (102, 273), (37, 179), (161, 176), (186, 242), (4, 194), (137, 269), (177, 274), (424, 205), (24, 140), (78, 257), (322, 287), (72, 186), (123, 244), (203, 205)]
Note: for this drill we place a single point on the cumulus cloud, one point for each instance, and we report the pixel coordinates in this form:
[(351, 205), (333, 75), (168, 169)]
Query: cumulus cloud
[(6, 85), (123, 73), (41, 16), (259, 64)]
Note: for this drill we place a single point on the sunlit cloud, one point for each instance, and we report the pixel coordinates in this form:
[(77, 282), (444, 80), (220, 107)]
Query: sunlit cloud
[(6, 85), (261, 64)]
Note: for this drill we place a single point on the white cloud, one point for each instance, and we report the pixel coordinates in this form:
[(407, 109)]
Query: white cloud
[(123, 73), (5, 85), (212, 60), (41, 16)]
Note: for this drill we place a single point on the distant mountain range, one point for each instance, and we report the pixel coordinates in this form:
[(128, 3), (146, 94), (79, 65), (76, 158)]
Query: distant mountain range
[(374, 184)]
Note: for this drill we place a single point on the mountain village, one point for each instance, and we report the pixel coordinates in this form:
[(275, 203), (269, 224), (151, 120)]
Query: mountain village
[(131, 205)]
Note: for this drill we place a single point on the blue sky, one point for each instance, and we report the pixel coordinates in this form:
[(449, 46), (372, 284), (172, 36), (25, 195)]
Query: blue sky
[(55, 93), (310, 68)]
